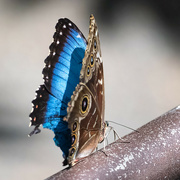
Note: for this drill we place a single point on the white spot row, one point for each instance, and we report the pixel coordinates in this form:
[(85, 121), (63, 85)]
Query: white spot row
[(100, 81), (78, 36)]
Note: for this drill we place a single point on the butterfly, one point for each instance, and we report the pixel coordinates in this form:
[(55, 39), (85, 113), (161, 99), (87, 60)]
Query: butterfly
[(71, 100)]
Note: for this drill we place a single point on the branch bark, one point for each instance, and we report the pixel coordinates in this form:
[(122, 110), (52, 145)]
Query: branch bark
[(153, 153)]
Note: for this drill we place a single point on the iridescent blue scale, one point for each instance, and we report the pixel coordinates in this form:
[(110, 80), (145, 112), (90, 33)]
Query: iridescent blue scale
[(61, 76)]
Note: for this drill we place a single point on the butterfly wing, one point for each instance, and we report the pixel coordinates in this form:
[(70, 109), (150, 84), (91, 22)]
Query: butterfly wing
[(61, 76), (86, 108)]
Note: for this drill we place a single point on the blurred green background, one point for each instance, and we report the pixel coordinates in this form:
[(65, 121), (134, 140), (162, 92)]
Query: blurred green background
[(141, 53)]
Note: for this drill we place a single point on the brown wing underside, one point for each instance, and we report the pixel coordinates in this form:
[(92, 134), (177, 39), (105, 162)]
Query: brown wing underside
[(86, 108)]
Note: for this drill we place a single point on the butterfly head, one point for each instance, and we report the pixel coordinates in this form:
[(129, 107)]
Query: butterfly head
[(106, 123)]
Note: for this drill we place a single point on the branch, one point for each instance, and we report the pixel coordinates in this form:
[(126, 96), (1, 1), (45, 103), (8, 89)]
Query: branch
[(153, 153)]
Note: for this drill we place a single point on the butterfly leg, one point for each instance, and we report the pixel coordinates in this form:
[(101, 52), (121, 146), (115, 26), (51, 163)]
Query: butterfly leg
[(115, 134), (108, 130), (97, 148), (104, 144), (107, 141)]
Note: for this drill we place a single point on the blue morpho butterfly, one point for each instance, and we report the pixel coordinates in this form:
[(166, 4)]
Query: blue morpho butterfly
[(71, 100)]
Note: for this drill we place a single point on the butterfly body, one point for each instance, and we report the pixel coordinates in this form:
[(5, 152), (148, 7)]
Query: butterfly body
[(71, 101)]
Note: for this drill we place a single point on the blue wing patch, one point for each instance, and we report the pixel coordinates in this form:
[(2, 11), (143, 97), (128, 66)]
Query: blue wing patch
[(61, 75)]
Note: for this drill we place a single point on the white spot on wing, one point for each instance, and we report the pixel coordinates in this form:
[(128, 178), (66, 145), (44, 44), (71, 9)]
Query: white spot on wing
[(98, 55), (32, 108), (64, 26), (78, 36), (100, 81), (30, 124)]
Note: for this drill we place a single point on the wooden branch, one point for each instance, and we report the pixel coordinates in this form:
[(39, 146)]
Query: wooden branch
[(153, 153)]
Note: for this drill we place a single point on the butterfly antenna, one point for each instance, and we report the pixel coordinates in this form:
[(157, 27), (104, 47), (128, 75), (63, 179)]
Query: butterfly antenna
[(123, 126)]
